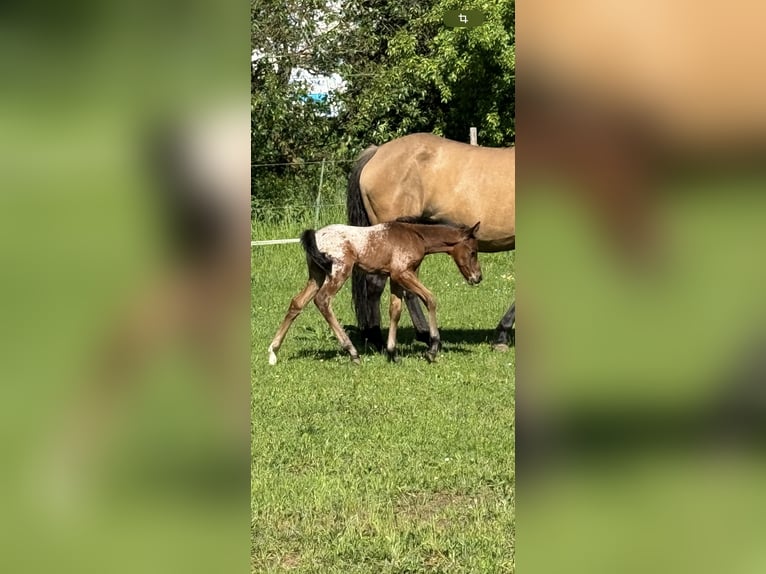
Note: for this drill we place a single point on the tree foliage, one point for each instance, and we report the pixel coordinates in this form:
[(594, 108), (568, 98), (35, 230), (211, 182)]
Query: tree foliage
[(405, 72), (414, 74)]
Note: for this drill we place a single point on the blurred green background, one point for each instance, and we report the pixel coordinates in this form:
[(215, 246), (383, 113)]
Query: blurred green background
[(84, 86)]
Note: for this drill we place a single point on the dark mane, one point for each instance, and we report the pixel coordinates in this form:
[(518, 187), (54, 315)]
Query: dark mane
[(423, 220)]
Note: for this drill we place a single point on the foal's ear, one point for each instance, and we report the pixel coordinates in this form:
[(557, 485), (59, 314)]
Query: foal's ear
[(474, 229)]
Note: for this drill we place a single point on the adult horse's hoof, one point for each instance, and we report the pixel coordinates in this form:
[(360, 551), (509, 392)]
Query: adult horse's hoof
[(431, 357), (391, 356), (423, 337), (501, 347), (356, 361)]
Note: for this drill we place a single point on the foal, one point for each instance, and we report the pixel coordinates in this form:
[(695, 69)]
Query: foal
[(395, 249)]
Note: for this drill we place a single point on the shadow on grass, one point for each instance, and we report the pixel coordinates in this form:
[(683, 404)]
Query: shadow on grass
[(453, 341)]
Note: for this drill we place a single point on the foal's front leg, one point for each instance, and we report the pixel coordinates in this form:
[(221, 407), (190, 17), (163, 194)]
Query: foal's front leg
[(419, 321), (410, 281), (394, 313)]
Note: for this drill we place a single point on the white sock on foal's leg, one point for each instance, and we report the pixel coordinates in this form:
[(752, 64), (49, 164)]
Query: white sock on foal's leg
[(272, 356)]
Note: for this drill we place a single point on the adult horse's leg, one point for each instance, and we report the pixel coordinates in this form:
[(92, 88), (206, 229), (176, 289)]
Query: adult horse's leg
[(367, 290), (323, 301), (505, 327), (419, 320), (395, 313), (316, 279), (409, 280)]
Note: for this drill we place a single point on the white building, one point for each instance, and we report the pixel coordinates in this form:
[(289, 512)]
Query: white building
[(320, 87)]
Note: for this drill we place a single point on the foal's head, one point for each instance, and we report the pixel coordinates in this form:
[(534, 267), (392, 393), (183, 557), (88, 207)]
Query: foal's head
[(466, 255)]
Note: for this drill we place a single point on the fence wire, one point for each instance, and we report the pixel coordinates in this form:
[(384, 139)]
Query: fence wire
[(310, 195), (301, 163)]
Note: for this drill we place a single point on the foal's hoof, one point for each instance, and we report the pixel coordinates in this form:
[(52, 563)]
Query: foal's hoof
[(425, 337), (431, 357), (356, 361), (501, 347)]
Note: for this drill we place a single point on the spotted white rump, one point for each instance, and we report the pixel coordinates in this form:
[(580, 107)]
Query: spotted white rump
[(334, 240)]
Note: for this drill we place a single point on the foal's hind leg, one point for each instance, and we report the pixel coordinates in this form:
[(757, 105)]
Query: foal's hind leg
[(395, 312), (316, 278), (323, 301), (504, 328)]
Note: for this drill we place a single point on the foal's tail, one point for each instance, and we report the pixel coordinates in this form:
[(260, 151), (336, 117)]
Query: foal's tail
[(309, 243), (357, 215)]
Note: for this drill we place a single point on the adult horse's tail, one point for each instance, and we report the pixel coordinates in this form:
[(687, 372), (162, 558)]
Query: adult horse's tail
[(355, 211), (357, 215)]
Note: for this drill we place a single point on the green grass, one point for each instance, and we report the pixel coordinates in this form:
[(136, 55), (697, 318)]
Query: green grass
[(381, 467)]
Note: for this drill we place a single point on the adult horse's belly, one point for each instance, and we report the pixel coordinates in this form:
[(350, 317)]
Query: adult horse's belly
[(497, 231), (494, 245)]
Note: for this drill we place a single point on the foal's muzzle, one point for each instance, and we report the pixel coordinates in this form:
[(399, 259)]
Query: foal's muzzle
[(475, 279)]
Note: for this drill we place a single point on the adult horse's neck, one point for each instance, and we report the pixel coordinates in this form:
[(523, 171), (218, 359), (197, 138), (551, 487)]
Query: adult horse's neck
[(439, 238)]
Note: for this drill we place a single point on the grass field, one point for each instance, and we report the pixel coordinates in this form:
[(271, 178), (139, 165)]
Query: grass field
[(381, 467)]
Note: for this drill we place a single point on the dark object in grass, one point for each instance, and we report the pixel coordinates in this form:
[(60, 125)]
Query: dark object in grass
[(505, 333)]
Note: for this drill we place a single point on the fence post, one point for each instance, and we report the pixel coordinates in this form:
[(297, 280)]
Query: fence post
[(474, 137), (319, 196)]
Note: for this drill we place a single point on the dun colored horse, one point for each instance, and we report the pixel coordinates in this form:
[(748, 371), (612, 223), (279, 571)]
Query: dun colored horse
[(394, 249), (423, 175)]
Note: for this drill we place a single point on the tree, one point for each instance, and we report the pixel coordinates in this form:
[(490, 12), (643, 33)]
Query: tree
[(405, 72), (409, 72)]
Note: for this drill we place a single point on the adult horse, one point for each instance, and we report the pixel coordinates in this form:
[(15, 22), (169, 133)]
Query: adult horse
[(424, 175)]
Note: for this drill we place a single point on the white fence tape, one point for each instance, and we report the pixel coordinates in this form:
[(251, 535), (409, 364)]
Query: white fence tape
[(273, 242)]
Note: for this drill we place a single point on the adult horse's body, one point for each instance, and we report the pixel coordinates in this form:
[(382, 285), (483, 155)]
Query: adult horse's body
[(423, 175)]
